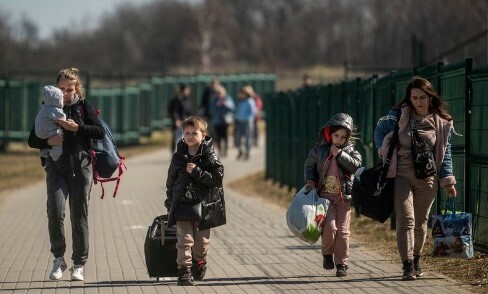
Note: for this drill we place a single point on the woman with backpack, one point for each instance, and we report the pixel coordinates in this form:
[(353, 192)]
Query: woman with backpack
[(71, 176)]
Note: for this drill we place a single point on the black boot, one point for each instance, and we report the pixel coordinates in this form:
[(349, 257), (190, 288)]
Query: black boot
[(341, 270), (184, 277), (408, 271), (328, 262), (416, 266)]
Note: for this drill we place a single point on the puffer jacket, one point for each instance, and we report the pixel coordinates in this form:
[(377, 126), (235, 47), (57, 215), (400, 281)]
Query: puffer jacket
[(206, 177), (348, 159), (442, 148)]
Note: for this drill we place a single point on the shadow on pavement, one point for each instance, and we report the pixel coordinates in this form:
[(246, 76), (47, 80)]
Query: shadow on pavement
[(212, 282)]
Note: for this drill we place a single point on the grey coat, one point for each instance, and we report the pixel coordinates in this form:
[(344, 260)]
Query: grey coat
[(348, 159)]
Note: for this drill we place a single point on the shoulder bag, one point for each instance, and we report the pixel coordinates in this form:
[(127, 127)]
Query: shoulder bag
[(422, 155), (372, 191)]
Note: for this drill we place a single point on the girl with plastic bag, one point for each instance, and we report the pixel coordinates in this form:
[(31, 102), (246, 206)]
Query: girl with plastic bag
[(329, 169)]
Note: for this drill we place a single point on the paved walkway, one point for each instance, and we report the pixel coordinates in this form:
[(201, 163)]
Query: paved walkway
[(253, 253)]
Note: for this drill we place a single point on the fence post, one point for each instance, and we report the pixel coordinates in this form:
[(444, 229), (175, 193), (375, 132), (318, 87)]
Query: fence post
[(7, 115), (467, 142)]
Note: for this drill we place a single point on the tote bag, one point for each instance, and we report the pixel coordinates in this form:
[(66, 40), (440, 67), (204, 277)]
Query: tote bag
[(452, 233)]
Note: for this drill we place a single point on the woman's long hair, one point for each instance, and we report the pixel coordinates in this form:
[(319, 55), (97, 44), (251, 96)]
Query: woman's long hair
[(436, 105)]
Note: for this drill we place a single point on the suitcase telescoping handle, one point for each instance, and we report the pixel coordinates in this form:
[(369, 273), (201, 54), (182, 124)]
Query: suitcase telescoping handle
[(162, 232), (163, 220)]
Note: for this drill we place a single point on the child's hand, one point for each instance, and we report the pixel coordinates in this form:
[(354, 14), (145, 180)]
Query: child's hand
[(335, 150), (69, 125), (310, 185), (190, 167)]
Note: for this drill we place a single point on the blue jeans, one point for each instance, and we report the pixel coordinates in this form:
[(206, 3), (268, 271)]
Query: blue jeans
[(243, 130)]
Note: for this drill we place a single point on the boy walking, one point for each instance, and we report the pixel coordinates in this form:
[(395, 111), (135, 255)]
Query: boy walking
[(195, 198)]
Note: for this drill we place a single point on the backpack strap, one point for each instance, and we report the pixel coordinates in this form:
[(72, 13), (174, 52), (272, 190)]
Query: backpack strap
[(98, 179)]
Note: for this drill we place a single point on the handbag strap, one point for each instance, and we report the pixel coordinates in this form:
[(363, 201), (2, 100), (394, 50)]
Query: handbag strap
[(387, 163), (413, 125), (451, 203), (414, 134)]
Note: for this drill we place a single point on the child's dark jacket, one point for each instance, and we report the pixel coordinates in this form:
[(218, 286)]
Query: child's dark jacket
[(349, 160), (206, 177)]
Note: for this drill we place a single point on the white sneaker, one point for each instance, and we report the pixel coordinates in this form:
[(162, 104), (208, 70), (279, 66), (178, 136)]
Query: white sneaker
[(59, 266), (77, 273)]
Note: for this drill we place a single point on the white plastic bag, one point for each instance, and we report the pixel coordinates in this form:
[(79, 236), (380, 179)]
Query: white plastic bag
[(306, 214)]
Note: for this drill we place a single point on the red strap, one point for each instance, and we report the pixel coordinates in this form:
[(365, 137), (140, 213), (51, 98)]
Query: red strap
[(98, 179), (322, 175), (117, 179)]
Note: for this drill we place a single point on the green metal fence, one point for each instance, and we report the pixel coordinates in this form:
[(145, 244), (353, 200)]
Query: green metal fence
[(295, 117), (132, 107)]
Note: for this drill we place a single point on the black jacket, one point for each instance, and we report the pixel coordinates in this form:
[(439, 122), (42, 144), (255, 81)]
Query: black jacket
[(206, 177), (90, 127), (179, 108)]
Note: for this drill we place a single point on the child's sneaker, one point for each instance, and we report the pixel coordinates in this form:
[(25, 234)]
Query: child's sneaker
[(77, 273), (199, 268), (59, 266), (328, 262), (184, 277), (341, 270)]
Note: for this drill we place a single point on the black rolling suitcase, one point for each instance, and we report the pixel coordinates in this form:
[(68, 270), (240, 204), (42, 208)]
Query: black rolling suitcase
[(160, 252)]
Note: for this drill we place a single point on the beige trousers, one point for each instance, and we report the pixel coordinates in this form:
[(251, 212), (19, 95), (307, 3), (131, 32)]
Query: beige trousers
[(335, 234), (190, 242), (413, 199)]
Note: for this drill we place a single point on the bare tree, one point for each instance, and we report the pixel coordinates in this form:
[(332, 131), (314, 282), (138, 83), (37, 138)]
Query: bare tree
[(219, 35)]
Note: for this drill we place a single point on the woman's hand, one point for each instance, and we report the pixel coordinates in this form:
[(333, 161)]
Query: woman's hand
[(69, 125), (55, 140), (190, 167), (451, 190), (310, 185)]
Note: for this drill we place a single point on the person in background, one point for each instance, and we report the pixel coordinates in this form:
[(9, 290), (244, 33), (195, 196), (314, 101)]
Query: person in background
[(71, 177), (179, 108), (244, 123), (329, 169), (307, 81), (205, 103), (259, 108), (423, 109), (221, 111)]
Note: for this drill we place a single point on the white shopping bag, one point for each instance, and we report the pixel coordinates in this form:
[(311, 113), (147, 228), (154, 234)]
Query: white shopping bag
[(306, 214)]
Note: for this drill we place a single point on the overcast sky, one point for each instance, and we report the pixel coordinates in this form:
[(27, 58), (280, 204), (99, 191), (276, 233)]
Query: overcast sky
[(51, 14)]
